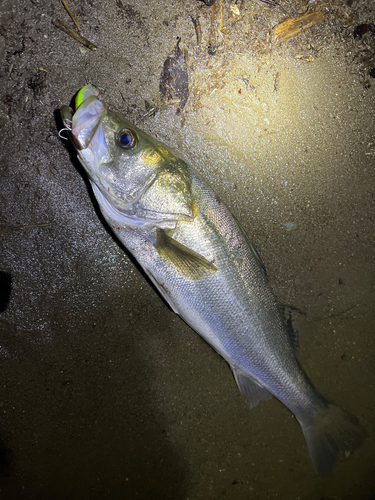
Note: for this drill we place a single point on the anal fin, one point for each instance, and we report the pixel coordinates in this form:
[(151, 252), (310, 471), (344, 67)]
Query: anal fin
[(250, 388)]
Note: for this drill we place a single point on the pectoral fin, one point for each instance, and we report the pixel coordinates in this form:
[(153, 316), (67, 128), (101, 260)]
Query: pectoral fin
[(190, 264)]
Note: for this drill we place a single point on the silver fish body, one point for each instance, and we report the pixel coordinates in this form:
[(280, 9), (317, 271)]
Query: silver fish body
[(203, 264)]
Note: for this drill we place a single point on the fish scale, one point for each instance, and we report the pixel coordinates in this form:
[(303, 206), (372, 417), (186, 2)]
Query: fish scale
[(203, 264)]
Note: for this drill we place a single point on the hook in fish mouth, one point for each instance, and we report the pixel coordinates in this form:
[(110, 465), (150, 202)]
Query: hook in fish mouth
[(66, 114)]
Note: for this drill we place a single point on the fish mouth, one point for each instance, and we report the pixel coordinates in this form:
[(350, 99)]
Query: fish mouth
[(85, 130), (85, 124)]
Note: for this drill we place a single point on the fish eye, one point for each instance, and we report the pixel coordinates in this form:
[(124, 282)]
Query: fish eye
[(126, 139)]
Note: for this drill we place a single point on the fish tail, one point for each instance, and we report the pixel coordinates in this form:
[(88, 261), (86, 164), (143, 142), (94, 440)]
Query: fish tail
[(333, 431)]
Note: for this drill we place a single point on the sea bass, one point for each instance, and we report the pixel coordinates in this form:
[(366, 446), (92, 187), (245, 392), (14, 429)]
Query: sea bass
[(202, 263)]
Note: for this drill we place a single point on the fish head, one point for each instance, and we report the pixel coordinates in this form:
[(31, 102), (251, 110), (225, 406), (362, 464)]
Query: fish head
[(137, 174), (119, 158)]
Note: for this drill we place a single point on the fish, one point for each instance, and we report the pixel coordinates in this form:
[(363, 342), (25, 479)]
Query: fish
[(202, 262)]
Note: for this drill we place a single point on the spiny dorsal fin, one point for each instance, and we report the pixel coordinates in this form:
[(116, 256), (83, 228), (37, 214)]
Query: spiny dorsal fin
[(251, 246), (190, 264)]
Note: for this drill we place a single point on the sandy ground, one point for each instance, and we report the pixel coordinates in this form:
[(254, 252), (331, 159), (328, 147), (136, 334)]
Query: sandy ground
[(105, 392)]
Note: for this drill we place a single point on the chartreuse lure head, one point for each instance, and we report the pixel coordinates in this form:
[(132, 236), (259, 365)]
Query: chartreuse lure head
[(84, 93)]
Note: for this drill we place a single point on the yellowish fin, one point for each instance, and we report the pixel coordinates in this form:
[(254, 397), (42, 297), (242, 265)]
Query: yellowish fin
[(188, 263)]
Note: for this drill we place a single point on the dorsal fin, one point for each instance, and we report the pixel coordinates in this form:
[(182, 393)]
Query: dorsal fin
[(251, 246), (288, 312)]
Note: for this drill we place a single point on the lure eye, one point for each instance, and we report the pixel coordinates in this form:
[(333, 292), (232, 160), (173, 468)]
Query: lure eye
[(126, 139)]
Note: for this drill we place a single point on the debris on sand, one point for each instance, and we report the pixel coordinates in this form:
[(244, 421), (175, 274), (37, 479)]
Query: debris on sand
[(73, 34), (70, 14), (174, 80), (292, 27), (362, 29)]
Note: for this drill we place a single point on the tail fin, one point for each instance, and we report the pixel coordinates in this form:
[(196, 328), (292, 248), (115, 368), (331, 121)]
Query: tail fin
[(333, 431)]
